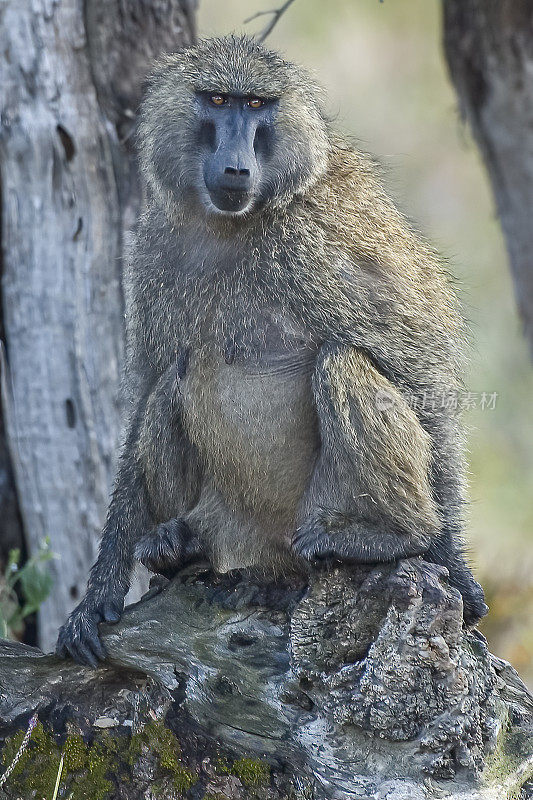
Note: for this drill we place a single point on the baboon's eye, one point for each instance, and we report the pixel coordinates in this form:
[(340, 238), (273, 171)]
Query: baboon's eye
[(218, 99), (256, 102)]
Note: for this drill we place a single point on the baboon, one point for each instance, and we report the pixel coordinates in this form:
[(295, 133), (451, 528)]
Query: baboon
[(292, 347)]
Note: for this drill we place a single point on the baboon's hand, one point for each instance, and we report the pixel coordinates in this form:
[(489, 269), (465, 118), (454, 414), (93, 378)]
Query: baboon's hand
[(79, 636)]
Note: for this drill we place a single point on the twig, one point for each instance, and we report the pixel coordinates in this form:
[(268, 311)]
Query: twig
[(58, 779), (276, 14)]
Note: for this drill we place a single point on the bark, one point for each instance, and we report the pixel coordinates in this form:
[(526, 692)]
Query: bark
[(11, 532), (489, 49), (365, 685), (71, 77)]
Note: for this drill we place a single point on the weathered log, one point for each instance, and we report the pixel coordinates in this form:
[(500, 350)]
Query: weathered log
[(363, 685)]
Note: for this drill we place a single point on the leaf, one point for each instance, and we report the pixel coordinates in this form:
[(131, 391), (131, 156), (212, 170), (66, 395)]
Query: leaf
[(36, 584)]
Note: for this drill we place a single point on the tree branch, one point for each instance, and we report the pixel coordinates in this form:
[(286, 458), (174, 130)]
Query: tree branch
[(489, 50), (276, 14)]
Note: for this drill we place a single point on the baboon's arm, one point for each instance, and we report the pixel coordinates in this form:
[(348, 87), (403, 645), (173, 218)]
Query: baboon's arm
[(128, 518), (369, 497)]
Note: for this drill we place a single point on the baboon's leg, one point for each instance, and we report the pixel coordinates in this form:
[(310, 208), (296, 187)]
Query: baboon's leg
[(170, 462), (173, 478), (369, 498)]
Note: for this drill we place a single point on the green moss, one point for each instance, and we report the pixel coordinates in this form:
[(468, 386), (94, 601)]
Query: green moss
[(42, 742), (9, 751), (135, 749), (87, 769), (222, 767), (84, 768), (184, 778), (165, 743), (92, 786), (101, 760), (251, 773), (157, 738), (37, 769), (216, 796), (75, 753)]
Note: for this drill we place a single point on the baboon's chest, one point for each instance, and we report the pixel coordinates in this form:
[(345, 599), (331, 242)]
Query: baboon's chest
[(249, 408)]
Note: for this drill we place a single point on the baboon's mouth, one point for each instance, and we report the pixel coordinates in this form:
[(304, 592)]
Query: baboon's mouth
[(229, 201)]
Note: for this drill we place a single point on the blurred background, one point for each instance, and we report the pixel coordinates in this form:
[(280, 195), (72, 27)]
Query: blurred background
[(387, 86)]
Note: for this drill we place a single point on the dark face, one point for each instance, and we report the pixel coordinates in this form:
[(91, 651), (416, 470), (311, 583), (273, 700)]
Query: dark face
[(236, 139)]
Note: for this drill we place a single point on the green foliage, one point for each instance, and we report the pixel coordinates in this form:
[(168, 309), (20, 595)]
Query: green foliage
[(33, 582)]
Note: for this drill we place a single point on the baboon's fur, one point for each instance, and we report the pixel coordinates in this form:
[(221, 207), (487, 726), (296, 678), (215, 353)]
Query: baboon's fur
[(272, 357)]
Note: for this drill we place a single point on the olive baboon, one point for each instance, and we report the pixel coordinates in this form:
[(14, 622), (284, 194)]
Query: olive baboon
[(282, 317)]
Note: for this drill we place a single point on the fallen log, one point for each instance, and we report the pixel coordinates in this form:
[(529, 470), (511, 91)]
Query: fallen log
[(363, 684)]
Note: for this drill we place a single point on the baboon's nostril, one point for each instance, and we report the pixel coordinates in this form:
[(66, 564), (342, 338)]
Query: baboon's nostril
[(245, 173)]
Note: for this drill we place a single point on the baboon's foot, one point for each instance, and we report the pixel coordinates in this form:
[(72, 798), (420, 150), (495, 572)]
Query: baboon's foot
[(169, 548), (474, 606)]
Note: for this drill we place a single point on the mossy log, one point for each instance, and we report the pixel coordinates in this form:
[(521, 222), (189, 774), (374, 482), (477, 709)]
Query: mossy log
[(363, 684)]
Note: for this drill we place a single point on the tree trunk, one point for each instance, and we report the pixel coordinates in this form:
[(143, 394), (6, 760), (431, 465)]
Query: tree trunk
[(71, 77), (364, 687), (489, 48)]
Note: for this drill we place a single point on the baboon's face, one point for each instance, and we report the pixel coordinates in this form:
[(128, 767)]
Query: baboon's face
[(229, 127), (236, 143)]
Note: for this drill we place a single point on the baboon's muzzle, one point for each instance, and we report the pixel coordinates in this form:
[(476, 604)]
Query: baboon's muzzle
[(231, 171)]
